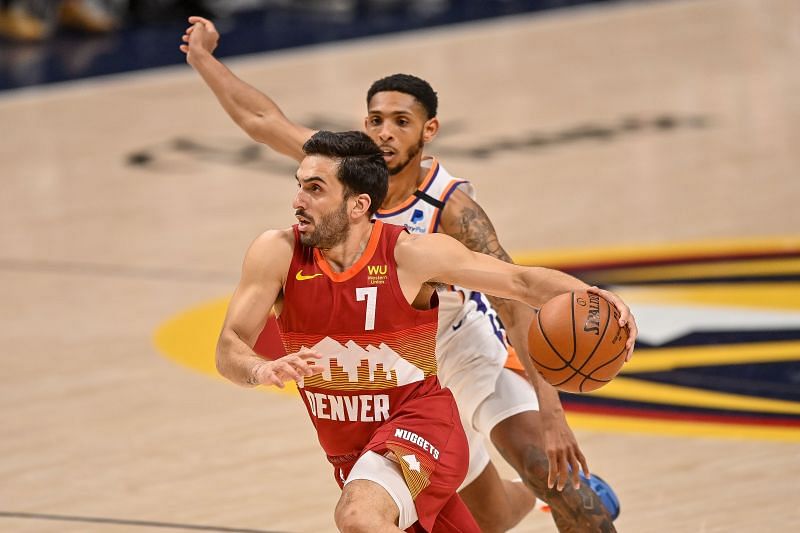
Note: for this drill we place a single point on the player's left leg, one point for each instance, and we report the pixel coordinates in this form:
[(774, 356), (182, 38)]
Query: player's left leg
[(426, 447), (375, 497), (497, 504), (516, 432)]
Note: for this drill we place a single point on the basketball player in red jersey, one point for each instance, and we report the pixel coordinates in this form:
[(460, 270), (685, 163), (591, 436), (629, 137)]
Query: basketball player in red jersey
[(540, 446), (358, 316)]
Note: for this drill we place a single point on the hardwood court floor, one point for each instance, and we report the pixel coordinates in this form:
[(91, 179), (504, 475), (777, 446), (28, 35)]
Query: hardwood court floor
[(129, 200)]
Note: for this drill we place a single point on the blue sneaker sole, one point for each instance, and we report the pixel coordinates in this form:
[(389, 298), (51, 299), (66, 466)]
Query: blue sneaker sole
[(604, 492)]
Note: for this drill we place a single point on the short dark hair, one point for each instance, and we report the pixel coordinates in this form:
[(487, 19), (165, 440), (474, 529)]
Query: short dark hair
[(408, 84), (361, 170)]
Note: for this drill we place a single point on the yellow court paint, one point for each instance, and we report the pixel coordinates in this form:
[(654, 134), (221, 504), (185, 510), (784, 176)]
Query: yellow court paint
[(662, 359), (631, 424), (190, 339), (772, 296), (661, 252), (626, 388)]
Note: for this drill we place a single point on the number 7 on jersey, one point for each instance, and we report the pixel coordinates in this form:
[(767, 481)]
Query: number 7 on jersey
[(371, 295)]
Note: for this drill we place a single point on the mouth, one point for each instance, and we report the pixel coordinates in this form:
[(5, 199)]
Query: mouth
[(387, 152), (303, 222)]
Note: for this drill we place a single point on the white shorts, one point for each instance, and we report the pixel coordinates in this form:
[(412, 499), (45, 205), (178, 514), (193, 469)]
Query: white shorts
[(513, 394), (470, 354), (471, 358), (386, 473)]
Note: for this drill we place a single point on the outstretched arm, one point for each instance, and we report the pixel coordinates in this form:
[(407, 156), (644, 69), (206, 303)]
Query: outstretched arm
[(263, 271), (466, 221), (440, 258), (252, 110)]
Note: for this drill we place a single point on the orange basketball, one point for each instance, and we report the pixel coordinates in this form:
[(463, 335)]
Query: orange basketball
[(576, 342)]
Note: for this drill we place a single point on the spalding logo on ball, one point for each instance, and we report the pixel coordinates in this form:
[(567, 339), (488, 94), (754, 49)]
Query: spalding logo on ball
[(576, 342)]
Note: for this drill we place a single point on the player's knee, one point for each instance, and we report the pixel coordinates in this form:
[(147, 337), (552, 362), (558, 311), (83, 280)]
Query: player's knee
[(352, 517), (535, 469)]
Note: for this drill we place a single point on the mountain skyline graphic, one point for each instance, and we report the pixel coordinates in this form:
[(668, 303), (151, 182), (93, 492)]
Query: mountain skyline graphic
[(382, 363)]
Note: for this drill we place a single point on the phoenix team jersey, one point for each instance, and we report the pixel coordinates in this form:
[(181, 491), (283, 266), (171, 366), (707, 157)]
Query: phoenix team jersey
[(378, 351), (422, 213)]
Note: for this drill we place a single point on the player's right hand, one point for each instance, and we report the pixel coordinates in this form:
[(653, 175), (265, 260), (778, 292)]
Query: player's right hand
[(201, 35), (292, 367)]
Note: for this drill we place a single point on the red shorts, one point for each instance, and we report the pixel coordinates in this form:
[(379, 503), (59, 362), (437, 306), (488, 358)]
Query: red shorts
[(426, 439)]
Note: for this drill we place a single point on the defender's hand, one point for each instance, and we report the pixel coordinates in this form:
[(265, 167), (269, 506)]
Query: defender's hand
[(564, 456), (202, 35)]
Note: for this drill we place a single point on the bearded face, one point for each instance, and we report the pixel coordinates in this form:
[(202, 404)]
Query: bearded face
[(398, 124), (397, 168), (331, 229)]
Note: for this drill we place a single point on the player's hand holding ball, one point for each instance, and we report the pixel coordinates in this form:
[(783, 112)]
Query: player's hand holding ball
[(579, 340)]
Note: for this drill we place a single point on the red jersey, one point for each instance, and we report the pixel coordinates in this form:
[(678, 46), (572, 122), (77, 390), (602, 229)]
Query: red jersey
[(378, 351)]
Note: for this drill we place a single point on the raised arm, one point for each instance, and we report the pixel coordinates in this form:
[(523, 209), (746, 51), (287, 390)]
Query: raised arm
[(265, 265), (252, 110)]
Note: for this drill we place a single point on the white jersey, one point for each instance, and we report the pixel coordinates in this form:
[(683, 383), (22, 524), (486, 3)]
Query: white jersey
[(470, 343), (471, 348), (421, 213)]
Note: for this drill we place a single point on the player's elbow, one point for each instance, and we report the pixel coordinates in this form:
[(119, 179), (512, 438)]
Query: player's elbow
[(260, 129), (255, 126), (221, 359)]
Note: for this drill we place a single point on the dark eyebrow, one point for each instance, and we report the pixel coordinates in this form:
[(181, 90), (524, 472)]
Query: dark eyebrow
[(390, 113), (309, 180)]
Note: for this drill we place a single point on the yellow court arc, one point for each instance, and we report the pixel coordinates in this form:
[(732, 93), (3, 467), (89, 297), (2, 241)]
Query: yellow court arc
[(190, 338)]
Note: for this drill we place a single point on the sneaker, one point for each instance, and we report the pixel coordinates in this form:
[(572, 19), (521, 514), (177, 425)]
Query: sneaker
[(598, 485), (604, 492)]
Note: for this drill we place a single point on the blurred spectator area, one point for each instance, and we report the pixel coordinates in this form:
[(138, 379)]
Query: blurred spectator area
[(46, 41)]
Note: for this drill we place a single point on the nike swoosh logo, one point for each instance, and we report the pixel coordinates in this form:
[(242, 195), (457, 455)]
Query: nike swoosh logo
[(300, 277)]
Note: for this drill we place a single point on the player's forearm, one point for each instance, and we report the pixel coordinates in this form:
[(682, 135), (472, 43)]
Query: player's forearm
[(536, 285), (253, 111), (236, 361)]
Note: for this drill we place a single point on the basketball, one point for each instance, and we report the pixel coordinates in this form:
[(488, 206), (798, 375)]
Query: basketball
[(576, 342)]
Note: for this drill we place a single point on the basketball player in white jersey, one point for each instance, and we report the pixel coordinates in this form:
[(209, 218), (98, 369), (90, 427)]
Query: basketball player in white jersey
[(530, 433)]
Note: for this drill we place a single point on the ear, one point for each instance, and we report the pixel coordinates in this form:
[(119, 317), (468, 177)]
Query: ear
[(361, 204), (430, 129)]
